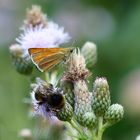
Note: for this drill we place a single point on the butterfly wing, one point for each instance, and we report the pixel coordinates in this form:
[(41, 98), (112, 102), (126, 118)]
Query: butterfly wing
[(46, 58)]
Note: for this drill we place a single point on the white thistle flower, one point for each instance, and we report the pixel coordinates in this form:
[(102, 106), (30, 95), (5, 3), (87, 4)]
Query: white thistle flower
[(39, 37)]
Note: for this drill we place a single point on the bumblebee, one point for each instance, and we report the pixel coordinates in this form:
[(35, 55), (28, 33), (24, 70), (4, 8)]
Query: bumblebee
[(52, 98)]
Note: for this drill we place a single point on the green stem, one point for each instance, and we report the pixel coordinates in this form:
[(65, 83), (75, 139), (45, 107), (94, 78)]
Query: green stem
[(76, 127), (97, 134), (82, 136), (100, 130), (46, 76), (106, 125)]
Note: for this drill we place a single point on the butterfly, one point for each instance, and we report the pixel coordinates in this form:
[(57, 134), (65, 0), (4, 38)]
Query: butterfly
[(46, 58)]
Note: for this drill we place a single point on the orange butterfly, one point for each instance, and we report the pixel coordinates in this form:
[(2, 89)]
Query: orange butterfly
[(47, 58)]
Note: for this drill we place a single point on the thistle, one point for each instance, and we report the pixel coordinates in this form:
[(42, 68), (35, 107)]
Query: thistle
[(21, 62), (101, 97), (89, 51), (67, 87), (86, 113), (35, 17), (77, 73), (66, 113), (114, 114)]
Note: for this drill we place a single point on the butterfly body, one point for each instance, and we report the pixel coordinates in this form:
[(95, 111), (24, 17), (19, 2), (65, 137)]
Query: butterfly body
[(47, 58)]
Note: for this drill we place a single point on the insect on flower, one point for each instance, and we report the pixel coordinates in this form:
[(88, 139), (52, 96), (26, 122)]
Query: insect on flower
[(50, 97), (46, 58)]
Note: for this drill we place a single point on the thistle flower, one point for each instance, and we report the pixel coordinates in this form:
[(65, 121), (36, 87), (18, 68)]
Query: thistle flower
[(39, 37), (35, 17), (38, 32)]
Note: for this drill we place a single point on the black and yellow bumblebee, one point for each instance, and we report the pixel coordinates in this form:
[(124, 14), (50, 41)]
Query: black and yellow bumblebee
[(52, 98)]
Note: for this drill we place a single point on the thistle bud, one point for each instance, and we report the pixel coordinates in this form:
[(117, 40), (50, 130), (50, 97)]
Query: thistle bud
[(83, 111), (16, 50), (35, 17), (89, 50), (68, 92), (101, 97), (76, 67), (70, 98), (66, 113), (89, 119), (114, 113), (21, 62)]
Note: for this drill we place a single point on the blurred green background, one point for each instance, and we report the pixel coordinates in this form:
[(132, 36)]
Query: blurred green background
[(115, 28)]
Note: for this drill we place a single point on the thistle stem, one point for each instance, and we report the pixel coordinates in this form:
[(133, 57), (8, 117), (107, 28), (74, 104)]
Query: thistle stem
[(100, 130), (106, 125), (82, 136), (76, 127), (46, 76)]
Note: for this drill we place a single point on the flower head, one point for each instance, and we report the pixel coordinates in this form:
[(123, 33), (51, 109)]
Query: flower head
[(76, 67), (35, 16), (40, 37)]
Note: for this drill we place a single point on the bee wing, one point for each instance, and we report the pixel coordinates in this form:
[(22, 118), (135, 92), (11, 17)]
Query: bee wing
[(45, 58)]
